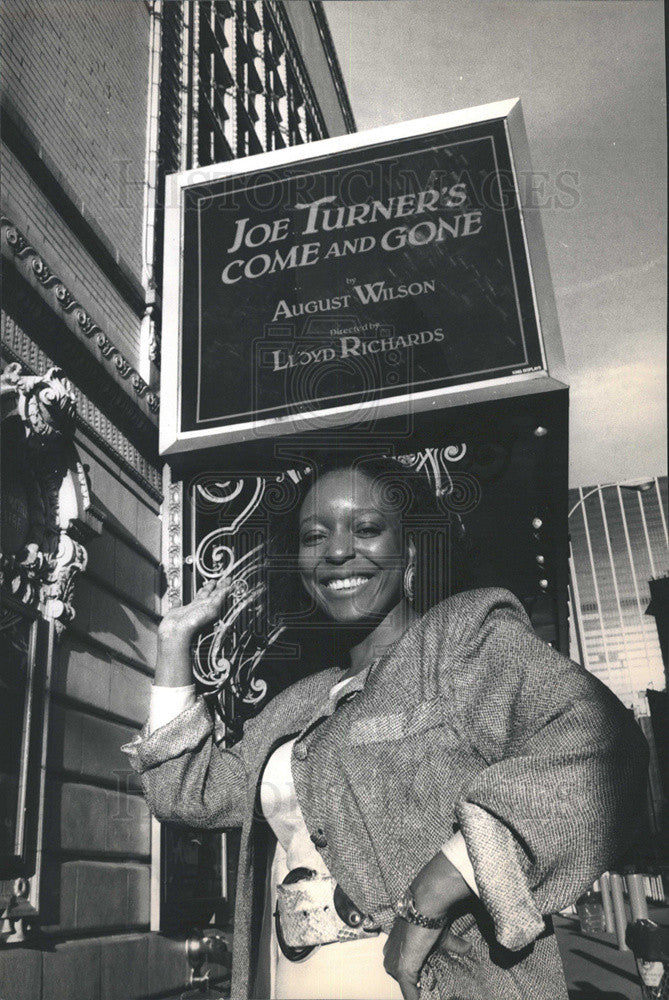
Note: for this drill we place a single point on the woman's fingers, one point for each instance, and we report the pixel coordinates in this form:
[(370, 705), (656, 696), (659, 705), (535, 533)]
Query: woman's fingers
[(454, 944), (404, 955), (409, 989), (210, 599), (409, 980), (219, 585)]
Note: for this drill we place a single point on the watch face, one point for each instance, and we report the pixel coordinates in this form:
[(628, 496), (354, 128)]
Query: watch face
[(405, 907)]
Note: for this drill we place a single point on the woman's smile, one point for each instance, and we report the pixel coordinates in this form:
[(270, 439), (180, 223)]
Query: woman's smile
[(352, 551), (346, 585)]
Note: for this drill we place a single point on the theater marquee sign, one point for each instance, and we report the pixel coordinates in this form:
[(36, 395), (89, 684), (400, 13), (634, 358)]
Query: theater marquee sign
[(354, 278)]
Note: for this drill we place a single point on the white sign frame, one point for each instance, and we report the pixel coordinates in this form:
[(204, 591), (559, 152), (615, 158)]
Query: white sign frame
[(174, 440)]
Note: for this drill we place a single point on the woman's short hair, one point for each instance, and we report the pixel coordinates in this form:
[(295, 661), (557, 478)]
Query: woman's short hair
[(441, 563)]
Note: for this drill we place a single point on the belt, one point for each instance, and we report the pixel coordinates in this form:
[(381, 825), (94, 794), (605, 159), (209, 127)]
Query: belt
[(311, 910)]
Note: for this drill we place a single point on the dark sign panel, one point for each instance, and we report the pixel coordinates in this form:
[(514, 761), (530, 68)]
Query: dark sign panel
[(350, 278)]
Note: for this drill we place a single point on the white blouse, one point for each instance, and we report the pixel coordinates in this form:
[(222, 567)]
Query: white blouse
[(281, 808)]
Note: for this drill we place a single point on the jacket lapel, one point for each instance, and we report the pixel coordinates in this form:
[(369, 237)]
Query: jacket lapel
[(327, 705)]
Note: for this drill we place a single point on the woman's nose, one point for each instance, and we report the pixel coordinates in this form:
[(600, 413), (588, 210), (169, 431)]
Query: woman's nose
[(340, 546)]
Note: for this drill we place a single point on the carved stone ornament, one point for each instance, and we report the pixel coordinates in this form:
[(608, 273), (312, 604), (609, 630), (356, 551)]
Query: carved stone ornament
[(45, 506), (37, 268), (18, 917)]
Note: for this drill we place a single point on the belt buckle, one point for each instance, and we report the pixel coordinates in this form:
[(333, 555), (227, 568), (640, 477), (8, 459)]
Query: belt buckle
[(345, 908), (293, 954)]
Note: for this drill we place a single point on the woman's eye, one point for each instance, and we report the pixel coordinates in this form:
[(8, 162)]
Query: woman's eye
[(368, 530), (311, 538)]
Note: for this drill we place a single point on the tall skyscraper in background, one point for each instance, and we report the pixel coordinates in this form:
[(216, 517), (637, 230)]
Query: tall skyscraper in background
[(619, 543)]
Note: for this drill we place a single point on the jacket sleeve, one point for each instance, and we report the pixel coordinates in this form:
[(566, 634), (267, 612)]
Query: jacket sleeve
[(562, 791), (187, 777)]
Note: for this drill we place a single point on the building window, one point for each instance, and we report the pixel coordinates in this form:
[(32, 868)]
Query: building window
[(276, 88), (229, 85), (215, 83), (170, 131)]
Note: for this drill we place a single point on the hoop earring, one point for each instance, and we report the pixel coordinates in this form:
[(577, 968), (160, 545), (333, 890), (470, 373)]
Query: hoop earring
[(409, 581)]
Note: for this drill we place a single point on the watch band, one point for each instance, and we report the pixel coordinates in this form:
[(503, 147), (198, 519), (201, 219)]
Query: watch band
[(406, 909)]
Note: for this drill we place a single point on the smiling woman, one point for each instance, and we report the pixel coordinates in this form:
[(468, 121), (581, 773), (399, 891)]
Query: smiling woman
[(352, 556), (358, 532), (426, 804)]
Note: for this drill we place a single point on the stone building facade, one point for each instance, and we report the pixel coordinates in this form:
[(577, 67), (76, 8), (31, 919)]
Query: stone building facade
[(100, 101)]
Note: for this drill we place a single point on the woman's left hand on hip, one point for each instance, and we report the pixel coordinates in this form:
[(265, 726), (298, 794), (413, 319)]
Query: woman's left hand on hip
[(408, 946)]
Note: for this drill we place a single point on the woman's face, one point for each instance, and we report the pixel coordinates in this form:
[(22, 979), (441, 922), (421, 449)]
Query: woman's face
[(351, 557)]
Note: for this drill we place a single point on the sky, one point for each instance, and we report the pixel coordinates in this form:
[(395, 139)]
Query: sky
[(591, 78)]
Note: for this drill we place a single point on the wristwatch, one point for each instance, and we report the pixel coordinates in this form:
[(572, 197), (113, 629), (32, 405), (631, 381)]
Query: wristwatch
[(405, 908)]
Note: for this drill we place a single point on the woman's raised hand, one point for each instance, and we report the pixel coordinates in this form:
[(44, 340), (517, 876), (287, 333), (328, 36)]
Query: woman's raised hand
[(184, 622), (178, 627)]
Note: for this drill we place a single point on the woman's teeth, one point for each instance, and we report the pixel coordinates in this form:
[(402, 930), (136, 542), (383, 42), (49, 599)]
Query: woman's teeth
[(348, 584)]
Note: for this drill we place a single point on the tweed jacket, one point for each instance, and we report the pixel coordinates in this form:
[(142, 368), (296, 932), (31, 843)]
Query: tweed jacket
[(468, 722)]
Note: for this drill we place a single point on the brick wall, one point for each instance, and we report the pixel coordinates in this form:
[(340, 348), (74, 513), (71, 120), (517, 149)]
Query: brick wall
[(77, 73), (28, 208)]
